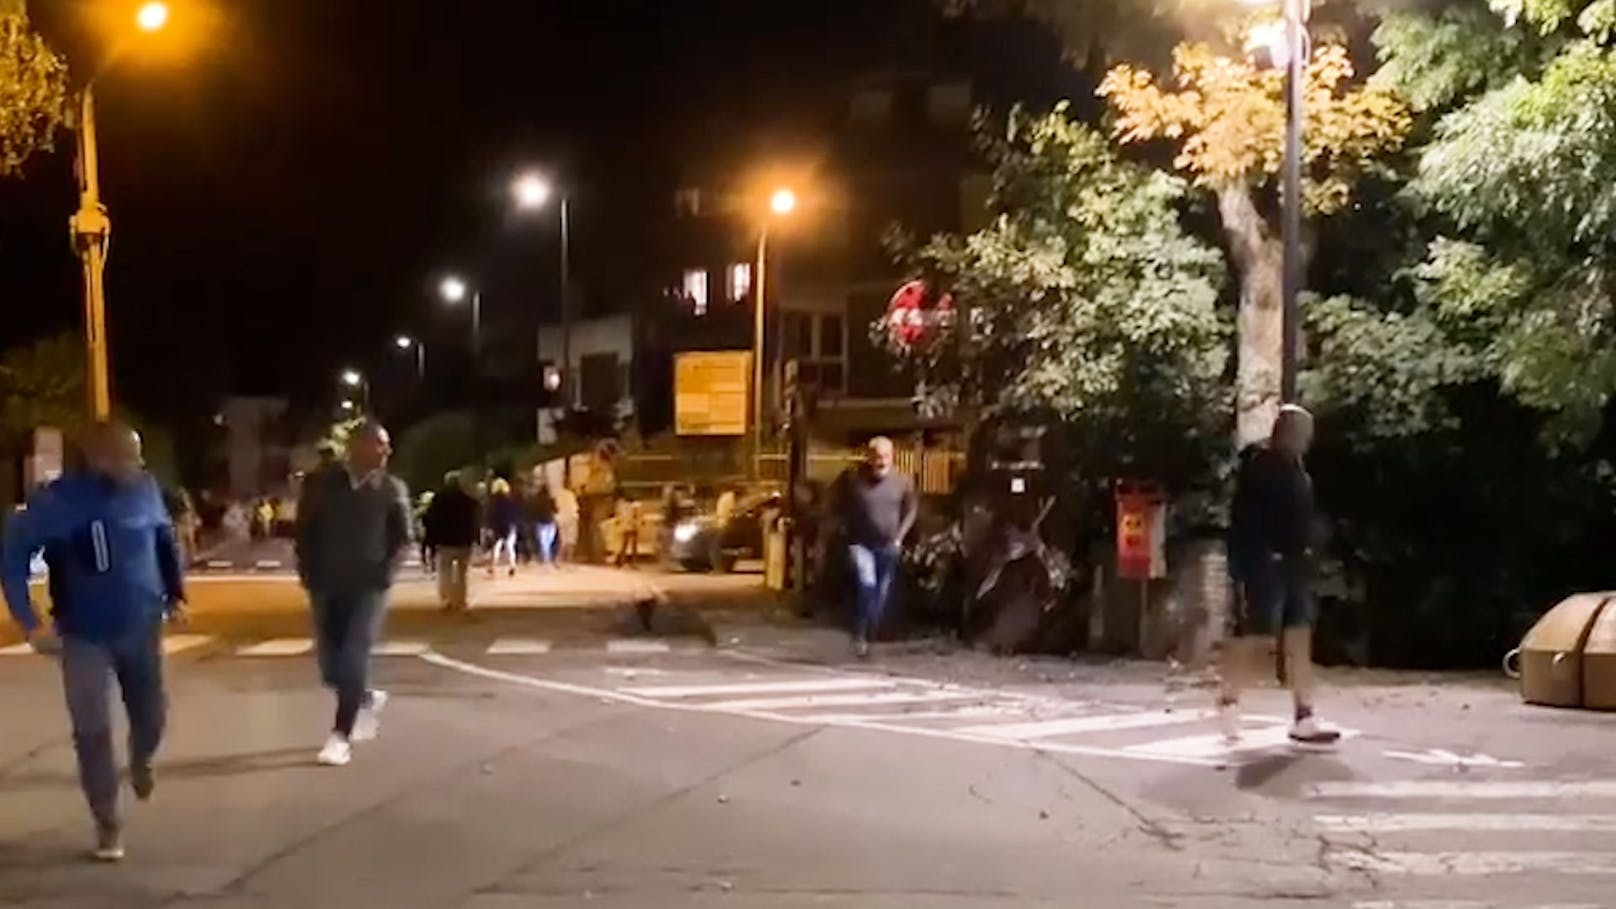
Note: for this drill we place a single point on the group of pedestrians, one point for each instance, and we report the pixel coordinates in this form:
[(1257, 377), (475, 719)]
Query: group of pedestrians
[(115, 578), (457, 521)]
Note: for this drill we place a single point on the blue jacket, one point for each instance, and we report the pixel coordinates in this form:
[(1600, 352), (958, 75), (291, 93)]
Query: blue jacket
[(111, 552)]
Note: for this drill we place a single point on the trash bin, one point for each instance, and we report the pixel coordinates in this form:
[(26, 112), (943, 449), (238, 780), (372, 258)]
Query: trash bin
[(774, 557), (1552, 656)]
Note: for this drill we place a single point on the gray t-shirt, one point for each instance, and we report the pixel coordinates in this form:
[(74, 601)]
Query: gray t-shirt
[(876, 511)]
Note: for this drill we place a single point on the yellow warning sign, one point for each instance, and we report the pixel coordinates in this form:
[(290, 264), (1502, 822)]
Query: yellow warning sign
[(710, 392)]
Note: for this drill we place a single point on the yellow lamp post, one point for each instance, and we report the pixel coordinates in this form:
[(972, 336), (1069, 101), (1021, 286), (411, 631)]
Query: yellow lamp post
[(91, 228)]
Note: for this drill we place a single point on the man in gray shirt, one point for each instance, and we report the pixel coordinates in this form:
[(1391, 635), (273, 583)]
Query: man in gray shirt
[(353, 520), (876, 507)]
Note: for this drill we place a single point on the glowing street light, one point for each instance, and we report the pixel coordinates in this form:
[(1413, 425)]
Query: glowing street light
[(454, 290), (152, 17), (405, 342), (347, 405), (533, 191), (352, 378), (782, 202), (91, 228), (1286, 44)]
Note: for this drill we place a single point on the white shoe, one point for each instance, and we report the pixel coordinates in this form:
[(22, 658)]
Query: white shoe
[(369, 722), (1308, 731), (336, 753), (1229, 723)]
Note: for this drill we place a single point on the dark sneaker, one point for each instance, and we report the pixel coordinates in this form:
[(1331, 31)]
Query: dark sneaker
[(143, 781), (108, 844)]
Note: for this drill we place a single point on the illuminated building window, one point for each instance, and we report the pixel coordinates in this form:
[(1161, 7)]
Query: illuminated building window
[(740, 281), (695, 290)]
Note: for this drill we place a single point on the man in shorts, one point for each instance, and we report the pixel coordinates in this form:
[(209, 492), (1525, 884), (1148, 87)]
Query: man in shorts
[(1270, 557)]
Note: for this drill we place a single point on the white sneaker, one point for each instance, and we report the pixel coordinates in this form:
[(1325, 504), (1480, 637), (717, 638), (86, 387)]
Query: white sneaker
[(369, 722), (1308, 731), (336, 753), (1229, 723)]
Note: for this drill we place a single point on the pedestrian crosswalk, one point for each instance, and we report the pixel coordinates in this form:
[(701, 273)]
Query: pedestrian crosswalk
[(990, 716), (1454, 837)]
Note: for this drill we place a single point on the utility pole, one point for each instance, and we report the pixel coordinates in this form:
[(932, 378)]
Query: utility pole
[(1296, 14), (91, 228)]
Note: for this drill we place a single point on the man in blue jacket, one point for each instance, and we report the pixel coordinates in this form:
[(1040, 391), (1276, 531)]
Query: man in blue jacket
[(115, 574)]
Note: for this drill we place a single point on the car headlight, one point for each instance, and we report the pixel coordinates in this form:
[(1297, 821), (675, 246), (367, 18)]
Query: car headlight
[(684, 533)]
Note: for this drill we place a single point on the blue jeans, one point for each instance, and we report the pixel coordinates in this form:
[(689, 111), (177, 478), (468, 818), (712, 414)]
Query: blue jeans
[(873, 569), (136, 660), (545, 533), (1276, 594), (346, 626)]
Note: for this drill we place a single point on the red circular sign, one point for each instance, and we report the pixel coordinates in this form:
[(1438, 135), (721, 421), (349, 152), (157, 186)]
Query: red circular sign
[(916, 316)]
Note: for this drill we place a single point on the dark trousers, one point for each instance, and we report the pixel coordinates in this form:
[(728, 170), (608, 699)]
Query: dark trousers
[(135, 659), (346, 625)]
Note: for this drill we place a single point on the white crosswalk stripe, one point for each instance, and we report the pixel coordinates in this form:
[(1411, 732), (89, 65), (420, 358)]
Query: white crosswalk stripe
[(179, 643), (278, 648), (1415, 830), (518, 647)]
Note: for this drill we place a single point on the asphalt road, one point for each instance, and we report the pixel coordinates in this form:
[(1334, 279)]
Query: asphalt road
[(655, 771)]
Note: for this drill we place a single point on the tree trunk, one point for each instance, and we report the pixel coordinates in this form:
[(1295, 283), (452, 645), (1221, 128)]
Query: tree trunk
[(1259, 258)]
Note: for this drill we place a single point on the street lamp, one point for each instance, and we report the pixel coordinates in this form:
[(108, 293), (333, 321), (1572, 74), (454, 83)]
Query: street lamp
[(533, 191), (355, 380), (405, 342), (782, 203), (454, 290), (91, 228), (1287, 46)]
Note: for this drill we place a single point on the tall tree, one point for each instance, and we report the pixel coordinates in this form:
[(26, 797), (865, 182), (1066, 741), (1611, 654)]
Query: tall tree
[(1084, 300), (33, 89), (1521, 174), (1227, 119)]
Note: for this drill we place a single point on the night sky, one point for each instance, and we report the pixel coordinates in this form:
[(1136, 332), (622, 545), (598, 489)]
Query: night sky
[(284, 202)]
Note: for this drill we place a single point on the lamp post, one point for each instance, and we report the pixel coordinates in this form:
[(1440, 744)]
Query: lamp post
[(454, 291), (532, 192), (91, 228), (355, 380), (1289, 47), (405, 342), (783, 202)]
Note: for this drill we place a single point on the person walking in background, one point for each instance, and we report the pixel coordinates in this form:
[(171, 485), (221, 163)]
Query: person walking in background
[(504, 518), (1270, 558), (542, 512), (429, 556), (115, 574), (353, 522), (451, 524), (568, 516), (628, 522), (876, 507)]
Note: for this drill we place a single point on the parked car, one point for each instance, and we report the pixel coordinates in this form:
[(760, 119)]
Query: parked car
[(701, 542)]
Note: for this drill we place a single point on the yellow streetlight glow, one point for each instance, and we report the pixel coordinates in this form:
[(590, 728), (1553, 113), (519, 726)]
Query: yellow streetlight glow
[(531, 191), (453, 289), (152, 17), (783, 202), (347, 405), (404, 342), (352, 378)]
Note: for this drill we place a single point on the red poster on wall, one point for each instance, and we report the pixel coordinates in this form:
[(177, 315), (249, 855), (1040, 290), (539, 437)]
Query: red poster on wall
[(1141, 531)]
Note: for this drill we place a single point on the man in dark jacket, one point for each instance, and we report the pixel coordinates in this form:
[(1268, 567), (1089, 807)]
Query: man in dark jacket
[(1270, 557), (114, 574), (451, 524), (353, 520)]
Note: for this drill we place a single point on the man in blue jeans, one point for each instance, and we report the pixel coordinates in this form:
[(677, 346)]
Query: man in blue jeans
[(114, 574), (877, 508), (353, 520)]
